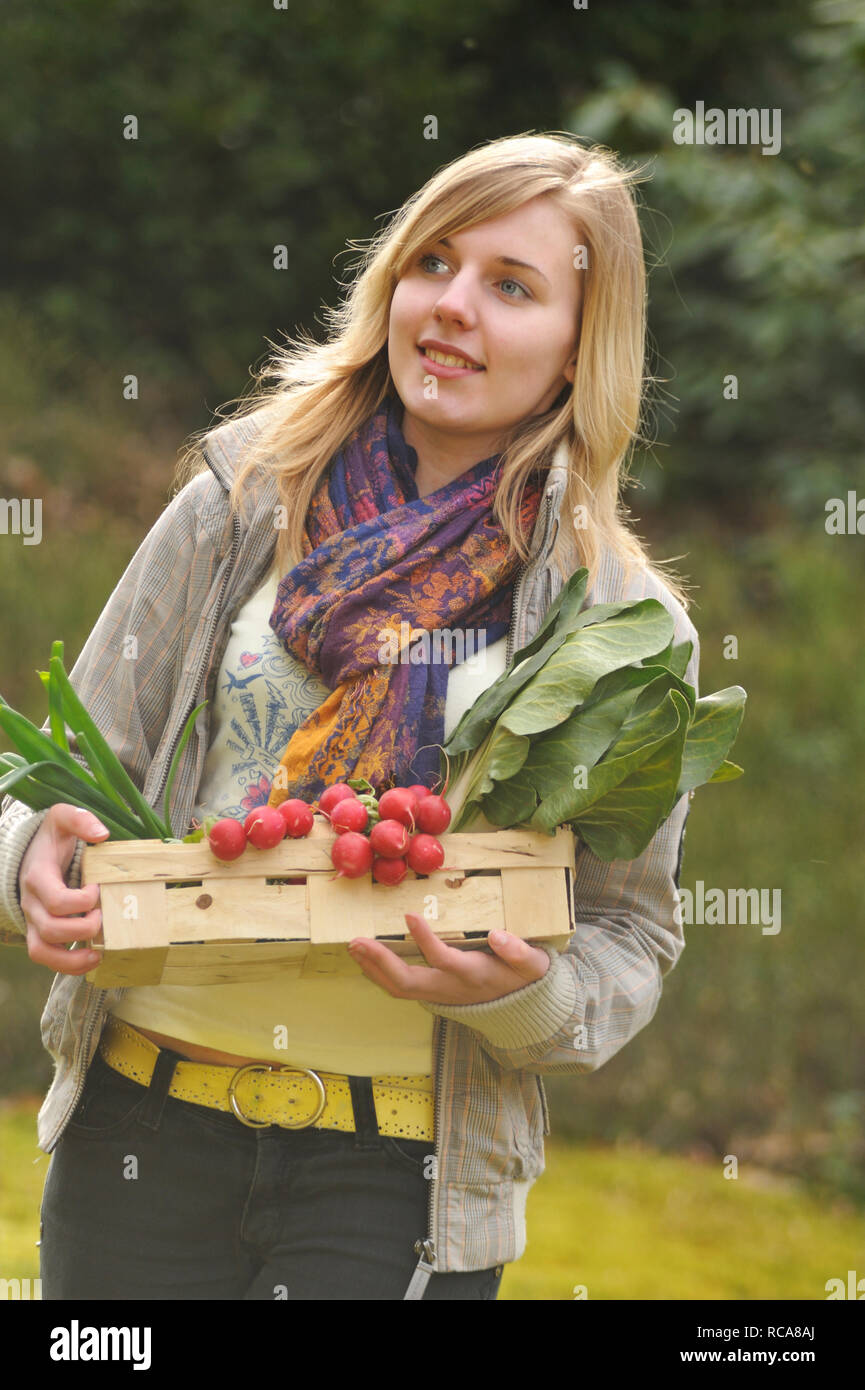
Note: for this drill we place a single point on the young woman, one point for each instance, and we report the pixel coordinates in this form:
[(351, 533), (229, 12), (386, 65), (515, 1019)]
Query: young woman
[(309, 1136)]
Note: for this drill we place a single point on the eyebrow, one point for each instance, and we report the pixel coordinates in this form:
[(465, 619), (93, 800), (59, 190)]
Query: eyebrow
[(502, 260)]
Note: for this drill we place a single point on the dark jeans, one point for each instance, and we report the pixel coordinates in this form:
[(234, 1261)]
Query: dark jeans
[(149, 1197)]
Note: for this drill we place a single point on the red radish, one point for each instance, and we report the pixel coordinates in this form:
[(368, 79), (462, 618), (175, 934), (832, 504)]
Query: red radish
[(389, 838), (298, 817), (351, 854), (419, 790), (267, 829), (332, 794), (349, 814), (253, 816), (398, 804), (433, 814), (227, 839), (425, 854), (391, 871)]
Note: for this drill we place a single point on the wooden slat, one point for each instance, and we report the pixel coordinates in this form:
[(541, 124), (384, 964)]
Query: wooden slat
[(122, 861), (118, 861), (133, 914), (509, 849), (276, 910), (251, 961), (475, 905), (535, 903), (122, 969), (212, 963), (339, 909)]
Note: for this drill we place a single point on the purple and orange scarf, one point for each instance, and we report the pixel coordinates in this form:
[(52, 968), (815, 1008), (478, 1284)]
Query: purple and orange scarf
[(379, 562)]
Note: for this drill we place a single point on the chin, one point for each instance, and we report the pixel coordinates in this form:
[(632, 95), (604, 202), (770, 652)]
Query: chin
[(446, 414)]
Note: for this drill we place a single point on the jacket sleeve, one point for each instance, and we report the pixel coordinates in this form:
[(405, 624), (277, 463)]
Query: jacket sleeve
[(606, 985), (125, 675)]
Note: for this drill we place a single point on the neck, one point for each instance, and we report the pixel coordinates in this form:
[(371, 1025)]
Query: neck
[(443, 457)]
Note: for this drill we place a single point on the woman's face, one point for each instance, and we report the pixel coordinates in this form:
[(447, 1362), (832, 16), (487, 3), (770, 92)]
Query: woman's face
[(518, 322)]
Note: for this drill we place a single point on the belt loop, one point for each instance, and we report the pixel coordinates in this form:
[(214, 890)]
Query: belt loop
[(157, 1092), (363, 1103)]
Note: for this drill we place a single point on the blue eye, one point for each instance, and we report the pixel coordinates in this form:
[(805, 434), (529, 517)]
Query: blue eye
[(423, 262), (521, 288)]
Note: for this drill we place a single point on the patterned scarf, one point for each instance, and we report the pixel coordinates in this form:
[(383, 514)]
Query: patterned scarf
[(379, 562)]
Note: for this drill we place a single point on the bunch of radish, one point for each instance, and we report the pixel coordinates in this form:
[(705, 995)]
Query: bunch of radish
[(264, 827), (402, 836), (387, 835)]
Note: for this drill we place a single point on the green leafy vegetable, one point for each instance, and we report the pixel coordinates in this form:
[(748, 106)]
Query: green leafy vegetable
[(593, 725)]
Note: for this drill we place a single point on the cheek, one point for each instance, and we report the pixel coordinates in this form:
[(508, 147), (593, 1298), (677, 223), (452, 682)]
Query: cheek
[(533, 350), (404, 312)]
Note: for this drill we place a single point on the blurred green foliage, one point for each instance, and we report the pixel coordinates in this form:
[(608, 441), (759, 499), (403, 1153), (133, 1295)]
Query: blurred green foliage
[(304, 127), (761, 275)]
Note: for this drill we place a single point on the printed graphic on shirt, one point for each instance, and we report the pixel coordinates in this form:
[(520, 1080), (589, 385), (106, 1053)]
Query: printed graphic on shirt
[(263, 695)]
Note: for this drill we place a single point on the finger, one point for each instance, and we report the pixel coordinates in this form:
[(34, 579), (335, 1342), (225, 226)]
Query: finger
[(42, 882), (527, 961), (435, 951), (384, 967), (76, 822), (49, 905), (60, 930), (377, 963), (77, 962)]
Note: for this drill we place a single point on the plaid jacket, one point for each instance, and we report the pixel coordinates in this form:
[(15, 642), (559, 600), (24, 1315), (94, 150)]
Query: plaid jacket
[(194, 569)]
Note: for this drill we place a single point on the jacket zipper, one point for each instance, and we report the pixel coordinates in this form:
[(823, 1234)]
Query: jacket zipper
[(509, 649), (520, 577), (426, 1249), (99, 1000), (90, 1024), (545, 1108), (235, 546)]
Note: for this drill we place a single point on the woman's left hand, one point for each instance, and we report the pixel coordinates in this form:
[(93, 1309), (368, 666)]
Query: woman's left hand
[(451, 976)]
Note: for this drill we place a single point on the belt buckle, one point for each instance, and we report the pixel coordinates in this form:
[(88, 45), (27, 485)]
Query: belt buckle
[(265, 1124)]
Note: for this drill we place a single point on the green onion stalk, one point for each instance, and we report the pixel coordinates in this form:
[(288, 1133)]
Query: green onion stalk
[(44, 772)]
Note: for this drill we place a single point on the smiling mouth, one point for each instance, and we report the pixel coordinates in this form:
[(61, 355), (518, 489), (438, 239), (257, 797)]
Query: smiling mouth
[(448, 359)]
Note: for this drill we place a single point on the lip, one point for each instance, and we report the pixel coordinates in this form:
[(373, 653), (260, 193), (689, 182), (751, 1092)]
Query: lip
[(448, 348)]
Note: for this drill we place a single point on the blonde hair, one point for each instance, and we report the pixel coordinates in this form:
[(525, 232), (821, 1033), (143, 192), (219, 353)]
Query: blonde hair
[(324, 391)]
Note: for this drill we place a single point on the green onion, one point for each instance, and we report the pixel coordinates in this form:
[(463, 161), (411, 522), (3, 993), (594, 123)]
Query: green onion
[(55, 713), (51, 778), (45, 770), (40, 796), (79, 722), (32, 742)]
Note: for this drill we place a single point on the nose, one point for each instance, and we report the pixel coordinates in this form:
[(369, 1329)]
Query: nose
[(456, 302)]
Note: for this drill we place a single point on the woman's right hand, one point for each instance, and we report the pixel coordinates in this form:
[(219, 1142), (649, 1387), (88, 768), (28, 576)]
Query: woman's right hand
[(49, 907)]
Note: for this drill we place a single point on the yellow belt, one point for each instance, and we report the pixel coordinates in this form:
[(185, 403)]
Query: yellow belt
[(261, 1095)]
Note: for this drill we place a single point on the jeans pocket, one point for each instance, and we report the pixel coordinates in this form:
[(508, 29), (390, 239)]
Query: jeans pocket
[(409, 1155), (109, 1103)]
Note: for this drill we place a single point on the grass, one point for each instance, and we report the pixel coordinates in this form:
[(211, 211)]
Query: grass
[(624, 1221), (629, 1223)]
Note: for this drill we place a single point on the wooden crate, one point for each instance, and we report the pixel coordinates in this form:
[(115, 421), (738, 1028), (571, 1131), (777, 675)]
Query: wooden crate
[(173, 914)]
